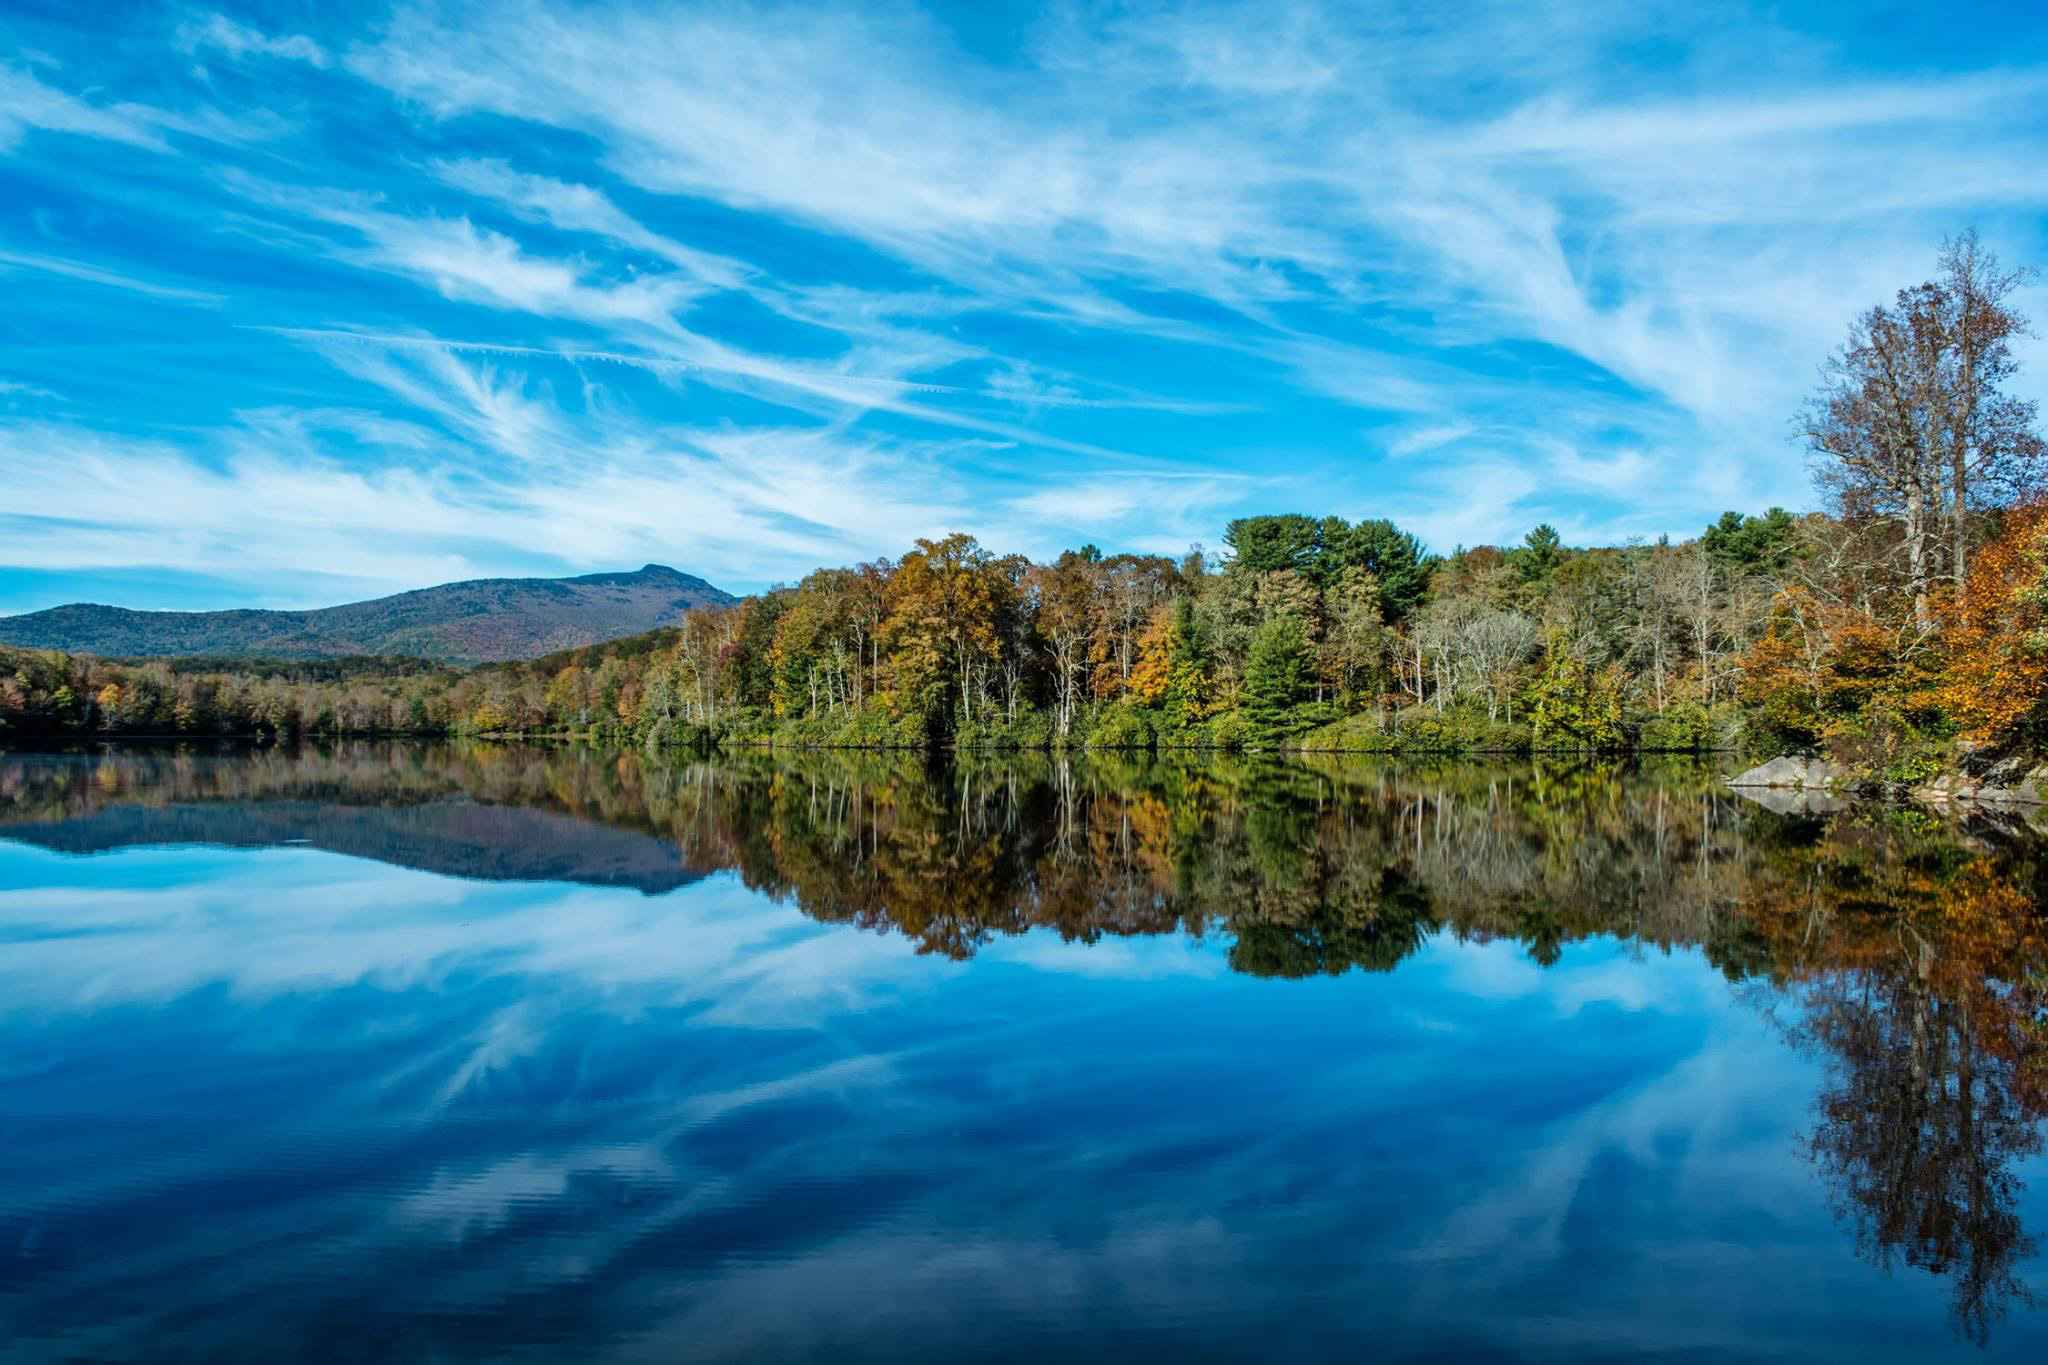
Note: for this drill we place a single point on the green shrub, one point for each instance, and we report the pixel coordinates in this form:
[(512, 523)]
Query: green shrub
[(1195, 735), (1462, 727), (1030, 729), (1359, 734), (1122, 726), (1885, 745), (1232, 731), (1685, 728), (870, 727), (680, 734)]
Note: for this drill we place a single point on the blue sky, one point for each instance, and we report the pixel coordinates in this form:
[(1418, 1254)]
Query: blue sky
[(307, 303)]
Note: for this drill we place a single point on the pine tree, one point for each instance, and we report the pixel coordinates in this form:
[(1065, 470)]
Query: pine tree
[(1190, 686), (1276, 674)]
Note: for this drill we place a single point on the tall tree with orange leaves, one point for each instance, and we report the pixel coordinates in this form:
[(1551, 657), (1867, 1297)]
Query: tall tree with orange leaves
[(1996, 677)]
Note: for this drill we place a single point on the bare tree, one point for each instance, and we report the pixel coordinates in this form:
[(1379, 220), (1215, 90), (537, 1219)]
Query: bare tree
[(1911, 425), (1992, 449), (1874, 437), (1493, 643)]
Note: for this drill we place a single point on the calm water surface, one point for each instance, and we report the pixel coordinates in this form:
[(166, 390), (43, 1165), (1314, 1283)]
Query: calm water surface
[(405, 1052)]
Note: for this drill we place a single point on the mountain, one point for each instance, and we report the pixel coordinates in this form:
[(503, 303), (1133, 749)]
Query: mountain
[(482, 620)]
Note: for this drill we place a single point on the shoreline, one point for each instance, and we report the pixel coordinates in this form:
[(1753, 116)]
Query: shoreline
[(268, 740), (2006, 784)]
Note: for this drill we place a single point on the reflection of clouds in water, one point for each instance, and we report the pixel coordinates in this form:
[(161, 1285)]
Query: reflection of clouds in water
[(283, 921), (1714, 1118), (1195, 1203), (505, 1036), (703, 1122), (1647, 982), (1600, 973), (1490, 970), (461, 1203), (841, 1080)]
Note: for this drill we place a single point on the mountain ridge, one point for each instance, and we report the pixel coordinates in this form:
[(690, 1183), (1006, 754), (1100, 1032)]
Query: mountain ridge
[(476, 620)]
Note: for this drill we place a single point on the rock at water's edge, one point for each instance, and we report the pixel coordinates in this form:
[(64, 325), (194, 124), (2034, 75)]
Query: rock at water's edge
[(1815, 773), (2007, 783)]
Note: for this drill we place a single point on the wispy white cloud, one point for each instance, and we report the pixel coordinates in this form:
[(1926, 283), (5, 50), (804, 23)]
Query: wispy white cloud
[(579, 208), (217, 32), (92, 274), (1420, 439), (27, 102), (477, 265)]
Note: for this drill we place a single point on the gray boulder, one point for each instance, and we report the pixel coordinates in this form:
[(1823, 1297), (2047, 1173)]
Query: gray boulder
[(1796, 773)]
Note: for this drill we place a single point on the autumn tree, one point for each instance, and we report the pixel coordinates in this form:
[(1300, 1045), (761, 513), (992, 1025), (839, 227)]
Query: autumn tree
[(945, 625), (1351, 659), (1496, 644), (1995, 683), (1572, 703), (1872, 435), (1129, 589), (1066, 591)]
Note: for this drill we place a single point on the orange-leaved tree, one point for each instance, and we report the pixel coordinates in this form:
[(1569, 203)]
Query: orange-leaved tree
[(1996, 684)]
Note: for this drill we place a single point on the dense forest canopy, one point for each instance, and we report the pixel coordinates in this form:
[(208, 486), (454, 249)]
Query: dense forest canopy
[(1904, 618)]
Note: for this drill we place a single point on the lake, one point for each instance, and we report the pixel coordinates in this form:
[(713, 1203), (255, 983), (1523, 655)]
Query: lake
[(413, 1051)]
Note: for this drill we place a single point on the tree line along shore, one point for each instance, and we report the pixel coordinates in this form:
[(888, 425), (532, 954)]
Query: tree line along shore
[(1897, 630)]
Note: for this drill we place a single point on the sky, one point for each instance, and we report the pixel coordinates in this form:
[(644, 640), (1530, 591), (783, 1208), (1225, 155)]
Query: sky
[(306, 303)]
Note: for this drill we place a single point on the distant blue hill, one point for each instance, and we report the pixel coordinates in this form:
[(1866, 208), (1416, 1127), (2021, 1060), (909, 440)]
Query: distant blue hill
[(482, 620)]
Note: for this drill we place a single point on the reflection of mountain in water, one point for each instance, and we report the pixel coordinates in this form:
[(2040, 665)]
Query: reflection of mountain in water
[(454, 837)]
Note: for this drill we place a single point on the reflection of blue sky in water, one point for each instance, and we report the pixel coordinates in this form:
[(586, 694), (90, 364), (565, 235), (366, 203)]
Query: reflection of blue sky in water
[(260, 1099)]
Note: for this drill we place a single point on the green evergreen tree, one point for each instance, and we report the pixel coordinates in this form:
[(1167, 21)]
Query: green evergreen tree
[(1750, 543), (1276, 674), (1190, 686), (1272, 544), (1395, 558), (1539, 554)]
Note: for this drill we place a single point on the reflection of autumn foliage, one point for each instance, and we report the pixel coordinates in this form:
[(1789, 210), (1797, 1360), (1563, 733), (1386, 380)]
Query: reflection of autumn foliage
[(1918, 1134), (1900, 895), (1912, 967)]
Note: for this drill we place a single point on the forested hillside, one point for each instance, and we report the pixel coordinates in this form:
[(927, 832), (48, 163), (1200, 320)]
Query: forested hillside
[(470, 622), (1905, 622)]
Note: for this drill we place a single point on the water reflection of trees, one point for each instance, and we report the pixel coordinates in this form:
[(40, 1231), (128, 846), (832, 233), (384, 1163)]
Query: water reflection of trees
[(1906, 953), (1918, 1134), (1911, 956)]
